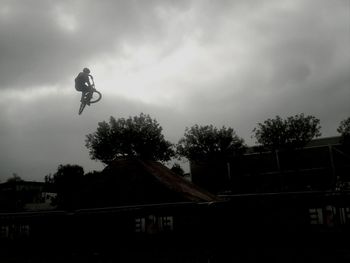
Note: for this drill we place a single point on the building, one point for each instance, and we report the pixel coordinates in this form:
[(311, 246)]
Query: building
[(138, 182), (322, 165), (24, 195)]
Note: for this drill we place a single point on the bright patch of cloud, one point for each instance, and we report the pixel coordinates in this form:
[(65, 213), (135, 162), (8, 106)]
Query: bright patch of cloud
[(5, 12), (66, 20)]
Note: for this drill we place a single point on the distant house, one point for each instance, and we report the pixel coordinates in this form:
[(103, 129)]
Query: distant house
[(137, 182), (24, 195), (45, 202)]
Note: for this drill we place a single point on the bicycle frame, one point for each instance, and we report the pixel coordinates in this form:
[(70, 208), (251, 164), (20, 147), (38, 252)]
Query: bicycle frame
[(87, 99)]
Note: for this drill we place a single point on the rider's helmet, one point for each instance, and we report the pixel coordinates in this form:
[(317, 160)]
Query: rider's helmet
[(86, 70)]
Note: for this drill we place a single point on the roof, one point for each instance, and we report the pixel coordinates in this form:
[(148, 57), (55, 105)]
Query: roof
[(13, 184), (176, 183), (164, 176), (324, 141)]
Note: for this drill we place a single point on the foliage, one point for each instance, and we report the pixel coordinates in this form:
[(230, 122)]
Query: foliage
[(291, 133), (15, 178), (139, 136), (66, 182), (344, 130), (176, 168), (202, 143), (69, 173)]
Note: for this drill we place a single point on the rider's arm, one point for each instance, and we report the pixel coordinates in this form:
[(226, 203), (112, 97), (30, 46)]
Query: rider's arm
[(91, 81), (86, 79)]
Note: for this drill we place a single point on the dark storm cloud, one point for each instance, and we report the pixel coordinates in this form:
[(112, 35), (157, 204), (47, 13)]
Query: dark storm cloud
[(42, 41), (255, 60), (296, 59)]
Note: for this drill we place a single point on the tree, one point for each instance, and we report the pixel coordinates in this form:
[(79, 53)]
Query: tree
[(176, 168), (15, 178), (67, 183), (139, 136), (210, 151), (201, 143), (287, 135), (291, 133), (344, 130)]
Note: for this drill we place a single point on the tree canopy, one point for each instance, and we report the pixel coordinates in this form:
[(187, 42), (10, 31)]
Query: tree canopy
[(208, 143), (67, 183), (291, 133), (176, 168), (344, 130), (138, 136), (15, 178)]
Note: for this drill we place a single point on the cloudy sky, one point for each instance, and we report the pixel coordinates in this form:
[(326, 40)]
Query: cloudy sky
[(232, 63)]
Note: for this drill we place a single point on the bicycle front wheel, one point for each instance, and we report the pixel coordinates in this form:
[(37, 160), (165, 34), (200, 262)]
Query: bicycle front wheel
[(96, 99), (82, 106)]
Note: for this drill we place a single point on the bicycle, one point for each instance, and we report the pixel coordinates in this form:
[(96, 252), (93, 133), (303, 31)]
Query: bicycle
[(88, 97)]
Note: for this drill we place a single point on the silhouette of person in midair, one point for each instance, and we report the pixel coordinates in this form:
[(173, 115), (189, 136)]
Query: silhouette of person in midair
[(83, 83)]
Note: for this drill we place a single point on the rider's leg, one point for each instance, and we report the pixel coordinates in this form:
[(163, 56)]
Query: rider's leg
[(84, 93), (82, 96), (89, 95)]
